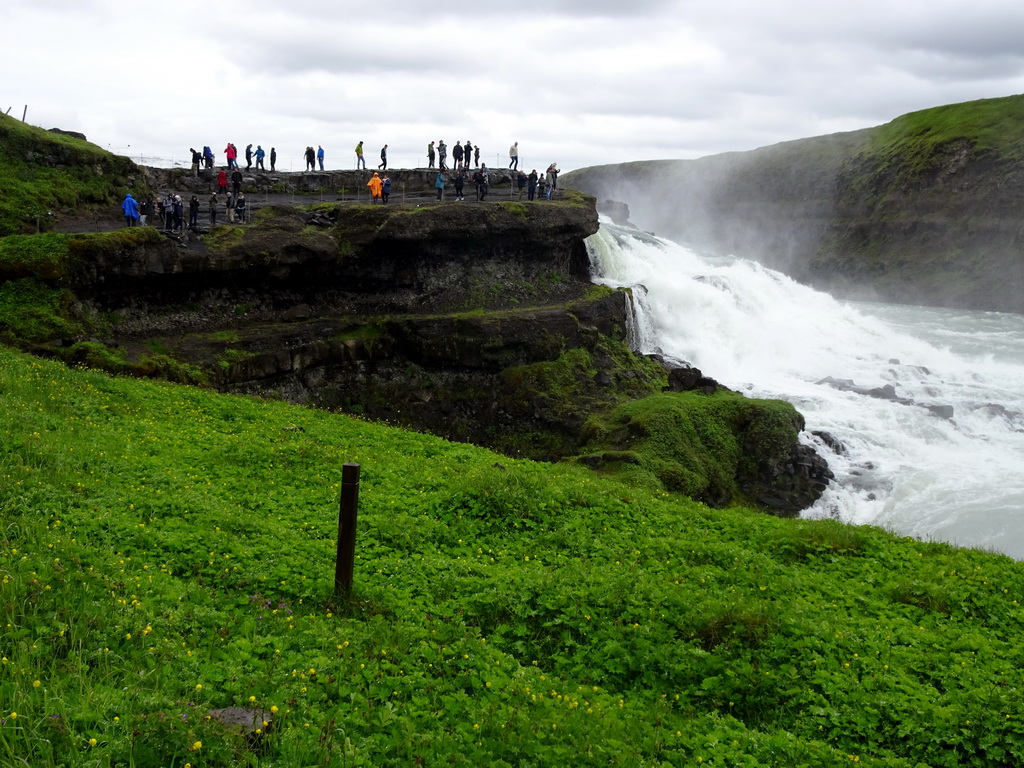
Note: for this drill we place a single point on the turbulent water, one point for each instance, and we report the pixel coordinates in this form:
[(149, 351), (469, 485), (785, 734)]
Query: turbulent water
[(958, 479)]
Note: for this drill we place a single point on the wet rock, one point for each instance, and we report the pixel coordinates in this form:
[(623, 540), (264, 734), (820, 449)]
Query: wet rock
[(942, 411), (243, 718), (689, 379), (74, 134), (830, 440), (298, 312), (885, 392)]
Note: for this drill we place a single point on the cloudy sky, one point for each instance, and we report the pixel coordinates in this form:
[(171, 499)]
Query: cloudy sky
[(577, 82)]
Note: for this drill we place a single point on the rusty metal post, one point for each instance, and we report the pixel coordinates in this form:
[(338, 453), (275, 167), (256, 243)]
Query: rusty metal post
[(347, 530)]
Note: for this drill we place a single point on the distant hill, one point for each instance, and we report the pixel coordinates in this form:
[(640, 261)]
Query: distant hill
[(924, 209)]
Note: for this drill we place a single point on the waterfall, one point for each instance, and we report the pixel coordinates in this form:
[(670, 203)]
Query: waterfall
[(927, 405)]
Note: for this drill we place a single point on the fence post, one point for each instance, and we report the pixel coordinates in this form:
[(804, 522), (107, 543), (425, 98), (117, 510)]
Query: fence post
[(347, 530)]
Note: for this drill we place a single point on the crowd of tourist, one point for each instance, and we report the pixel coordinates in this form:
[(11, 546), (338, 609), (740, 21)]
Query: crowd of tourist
[(170, 210), (465, 168)]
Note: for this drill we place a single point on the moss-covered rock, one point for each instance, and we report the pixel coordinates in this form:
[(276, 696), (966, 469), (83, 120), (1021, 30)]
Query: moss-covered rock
[(721, 449)]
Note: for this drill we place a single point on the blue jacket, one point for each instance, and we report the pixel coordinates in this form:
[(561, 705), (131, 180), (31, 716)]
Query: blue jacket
[(130, 206), (440, 181)]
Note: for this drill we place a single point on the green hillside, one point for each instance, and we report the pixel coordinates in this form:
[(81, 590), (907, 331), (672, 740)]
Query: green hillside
[(991, 125), (166, 550), (44, 173), (924, 209)]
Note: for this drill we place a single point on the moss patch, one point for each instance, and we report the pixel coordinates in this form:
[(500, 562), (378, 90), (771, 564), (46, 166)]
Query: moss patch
[(701, 446), (45, 173)]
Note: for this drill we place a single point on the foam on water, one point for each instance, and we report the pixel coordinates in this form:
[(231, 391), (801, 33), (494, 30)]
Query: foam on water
[(759, 332)]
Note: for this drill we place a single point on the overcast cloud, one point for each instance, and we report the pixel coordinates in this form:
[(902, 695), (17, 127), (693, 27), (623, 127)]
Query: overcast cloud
[(579, 82)]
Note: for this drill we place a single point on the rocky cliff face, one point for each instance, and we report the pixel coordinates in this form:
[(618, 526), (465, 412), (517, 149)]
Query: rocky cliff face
[(922, 210), (375, 258), (415, 315)]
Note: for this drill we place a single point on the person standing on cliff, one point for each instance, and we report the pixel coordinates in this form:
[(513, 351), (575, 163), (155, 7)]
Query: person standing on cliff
[(196, 160), (467, 155), (236, 181), (145, 210), (531, 184), (383, 158), (456, 156), (222, 180), (551, 177), (241, 211), (520, 183), (320, 156), (213, 209), (442, 155), (169, 212), (476, 156), (482, 180), (430, 155), (374, 184), (439, 184), (193, 212), (360, 161), (459, 179), (513, 156), (553, 170), (232, 155), (179, 213), (131, 210), (273, 158), (540, 187), (310, 155), (260, 154), (248, 156)]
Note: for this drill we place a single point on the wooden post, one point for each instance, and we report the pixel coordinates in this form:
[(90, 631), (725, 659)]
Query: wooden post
[(347, 530)]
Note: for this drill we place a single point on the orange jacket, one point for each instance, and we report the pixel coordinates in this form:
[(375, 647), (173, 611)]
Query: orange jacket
[(374, 184)]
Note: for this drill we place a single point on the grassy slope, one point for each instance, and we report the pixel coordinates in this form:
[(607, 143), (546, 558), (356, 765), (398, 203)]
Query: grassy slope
[(43, 173), (991, 125), (165, 550)]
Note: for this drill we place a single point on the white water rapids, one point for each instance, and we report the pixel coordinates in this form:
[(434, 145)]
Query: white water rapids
[(959, 480)]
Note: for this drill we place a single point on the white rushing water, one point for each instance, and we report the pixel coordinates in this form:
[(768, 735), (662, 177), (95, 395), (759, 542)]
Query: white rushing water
[(755, 330)]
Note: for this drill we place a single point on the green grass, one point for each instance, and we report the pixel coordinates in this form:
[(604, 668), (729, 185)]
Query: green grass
[(44, 174), (166, 550), (988, 124), (517, 209), (31, 311)]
